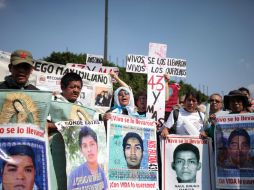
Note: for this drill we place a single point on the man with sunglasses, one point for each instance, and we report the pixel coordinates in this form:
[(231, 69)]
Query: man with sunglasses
[(216, 108)]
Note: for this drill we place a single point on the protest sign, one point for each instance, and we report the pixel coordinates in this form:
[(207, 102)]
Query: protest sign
[(24, 107), (22, 149), (156, 83), (234, 151), (94, 83), (132, 153), (186, 163), (93, 61), (96, 68), (155, 66), (85, 146), (172, 66), (23, 142)]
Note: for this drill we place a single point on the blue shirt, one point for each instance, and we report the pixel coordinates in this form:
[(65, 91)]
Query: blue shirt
[(81, 178)]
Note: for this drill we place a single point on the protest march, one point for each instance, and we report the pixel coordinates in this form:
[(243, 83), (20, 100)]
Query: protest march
[(80, 127)]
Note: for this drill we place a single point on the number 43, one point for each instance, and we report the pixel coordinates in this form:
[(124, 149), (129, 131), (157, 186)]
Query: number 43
[(156, 80)]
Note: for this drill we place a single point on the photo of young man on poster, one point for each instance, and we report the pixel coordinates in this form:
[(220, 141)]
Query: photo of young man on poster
[(133, 150), (239, 150), (78, 178), (186, 162), (19, 169)]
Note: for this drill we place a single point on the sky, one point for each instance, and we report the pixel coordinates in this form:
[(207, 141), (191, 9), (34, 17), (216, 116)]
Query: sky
[(215, 37)]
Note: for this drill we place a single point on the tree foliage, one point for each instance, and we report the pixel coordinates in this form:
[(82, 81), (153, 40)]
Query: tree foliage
[(65, 57)]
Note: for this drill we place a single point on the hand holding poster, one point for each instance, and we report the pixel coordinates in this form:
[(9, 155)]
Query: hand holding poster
[(132, 153), (234, 151)]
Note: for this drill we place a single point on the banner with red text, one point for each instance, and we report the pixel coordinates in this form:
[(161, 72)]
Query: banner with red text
[(23, 157), (234, 152), (187, 163), (23, 140), (132, 153)]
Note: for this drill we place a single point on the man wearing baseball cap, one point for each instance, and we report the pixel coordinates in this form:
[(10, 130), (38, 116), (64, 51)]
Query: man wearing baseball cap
[(21, 66)]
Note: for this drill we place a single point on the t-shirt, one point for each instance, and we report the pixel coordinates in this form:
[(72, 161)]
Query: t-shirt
[(82, 178), (187, 123)]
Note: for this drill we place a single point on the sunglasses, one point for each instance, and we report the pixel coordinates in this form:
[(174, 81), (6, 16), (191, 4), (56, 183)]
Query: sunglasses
[(123, 93), (214, 100)]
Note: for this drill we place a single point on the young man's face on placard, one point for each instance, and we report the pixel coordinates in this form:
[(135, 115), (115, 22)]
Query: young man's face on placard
[(186, 166), (89, 149), (133, 153), (239, 150), (20, 174)]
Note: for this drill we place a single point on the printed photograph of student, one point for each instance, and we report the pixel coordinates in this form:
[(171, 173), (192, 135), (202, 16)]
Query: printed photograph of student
[(18, 169), (133, 150), (186, 163), (238, 151), (90, 169)]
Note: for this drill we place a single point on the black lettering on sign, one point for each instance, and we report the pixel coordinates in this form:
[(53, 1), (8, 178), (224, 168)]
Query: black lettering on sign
[(161, 61), (90, 69), (154, 116), (156, 97), (151, 60), (95, 60), (136, 68), (150, 109), (175, 71), (156, 70), (136, 58)]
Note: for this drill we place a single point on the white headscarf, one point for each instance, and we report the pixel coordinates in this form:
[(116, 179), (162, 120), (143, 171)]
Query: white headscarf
[(130, 107)]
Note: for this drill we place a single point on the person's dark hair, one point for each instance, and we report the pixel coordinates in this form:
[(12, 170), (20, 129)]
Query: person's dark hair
[(22, 150), (239, 132), (138, 94), (235, 94), (132, 135), (69, 77), (244, 89), (86, 131), (186, 147), (193, 94)]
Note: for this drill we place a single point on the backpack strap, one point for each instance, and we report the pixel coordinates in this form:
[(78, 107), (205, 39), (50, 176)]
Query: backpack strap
[(172, 130), (201, 118), (175, 115)]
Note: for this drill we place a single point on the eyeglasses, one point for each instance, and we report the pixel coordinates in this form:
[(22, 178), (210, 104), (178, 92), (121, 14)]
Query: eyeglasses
[(123, 93), (214, 100)]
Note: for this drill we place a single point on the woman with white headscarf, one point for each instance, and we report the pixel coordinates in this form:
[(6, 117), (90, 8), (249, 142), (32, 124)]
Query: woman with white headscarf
[(123, 104)]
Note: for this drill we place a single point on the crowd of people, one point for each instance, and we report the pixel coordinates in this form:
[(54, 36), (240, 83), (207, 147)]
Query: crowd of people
[(190, 120)]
